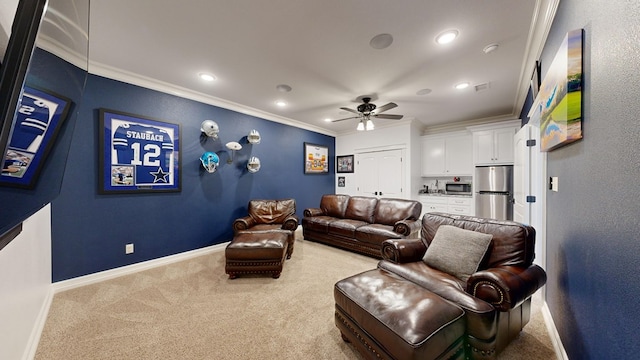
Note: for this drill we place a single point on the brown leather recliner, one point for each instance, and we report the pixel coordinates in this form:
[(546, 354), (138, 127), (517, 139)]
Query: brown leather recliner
[(270, 216), (496, 299)]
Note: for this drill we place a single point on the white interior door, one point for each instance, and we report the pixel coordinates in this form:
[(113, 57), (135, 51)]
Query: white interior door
[(530, 180), (380, 173), (390, 174), (521, 175)]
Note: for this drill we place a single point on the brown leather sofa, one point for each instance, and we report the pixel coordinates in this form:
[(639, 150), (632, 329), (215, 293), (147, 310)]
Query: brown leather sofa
[(360, 223), (496, 298)]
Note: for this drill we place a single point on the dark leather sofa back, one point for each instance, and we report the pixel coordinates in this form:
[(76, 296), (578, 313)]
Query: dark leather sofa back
[(513, 243), (389, 211), (361, 208), (271, 211), (334, 205)]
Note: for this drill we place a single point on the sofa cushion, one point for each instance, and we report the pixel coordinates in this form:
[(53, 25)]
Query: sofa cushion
[(376, 233), (457, 251), (390, 211), (345, 227), (318, 223), (361, 208), (334, 205)]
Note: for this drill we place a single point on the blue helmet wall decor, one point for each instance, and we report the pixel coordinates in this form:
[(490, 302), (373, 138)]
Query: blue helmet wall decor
[(253, 165), (210, 161)]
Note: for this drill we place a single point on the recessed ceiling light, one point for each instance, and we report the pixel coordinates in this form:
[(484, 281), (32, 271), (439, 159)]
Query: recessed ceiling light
[(327, 120), (461, 86), (423, 92), (281, 103), (447, 36), (490, 48), (381, 41), (283, 88), (207, 77)]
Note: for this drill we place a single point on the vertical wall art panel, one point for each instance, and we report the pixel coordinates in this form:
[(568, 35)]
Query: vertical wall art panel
[(559, 101)]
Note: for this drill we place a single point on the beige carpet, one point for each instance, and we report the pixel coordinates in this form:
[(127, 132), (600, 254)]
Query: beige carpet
[(190, 310)]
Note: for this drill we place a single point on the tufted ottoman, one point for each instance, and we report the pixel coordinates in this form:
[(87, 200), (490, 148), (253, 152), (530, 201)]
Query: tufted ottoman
[(256, 253), (414, 322)]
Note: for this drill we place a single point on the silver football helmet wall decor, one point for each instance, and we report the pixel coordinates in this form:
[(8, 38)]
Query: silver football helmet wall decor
[(253, 165), (253, 137), (210, 128)]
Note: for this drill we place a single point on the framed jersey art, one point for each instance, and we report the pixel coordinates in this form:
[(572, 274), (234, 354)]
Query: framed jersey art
[(138, 154), (38, 120)]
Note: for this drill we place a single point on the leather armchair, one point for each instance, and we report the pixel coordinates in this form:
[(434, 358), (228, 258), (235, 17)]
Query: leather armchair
[(270, 216), (496, 298)]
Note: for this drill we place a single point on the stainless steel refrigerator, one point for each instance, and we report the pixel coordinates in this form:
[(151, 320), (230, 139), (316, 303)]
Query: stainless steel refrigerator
[(494, 192)]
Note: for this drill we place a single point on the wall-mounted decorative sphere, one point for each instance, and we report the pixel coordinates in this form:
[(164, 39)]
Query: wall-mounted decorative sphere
[(210, 161), (253, 165), (253, 137), (210, 128)]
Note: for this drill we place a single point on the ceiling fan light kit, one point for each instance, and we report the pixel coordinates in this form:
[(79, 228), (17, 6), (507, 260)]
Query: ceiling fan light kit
[(367, 110)]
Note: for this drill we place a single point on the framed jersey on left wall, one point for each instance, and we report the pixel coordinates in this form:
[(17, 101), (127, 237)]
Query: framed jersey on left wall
[(138, 154), (38, 120)]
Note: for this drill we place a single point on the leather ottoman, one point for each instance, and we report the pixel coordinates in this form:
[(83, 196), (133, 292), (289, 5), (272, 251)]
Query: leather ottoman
[(415, 323), (256, 253)]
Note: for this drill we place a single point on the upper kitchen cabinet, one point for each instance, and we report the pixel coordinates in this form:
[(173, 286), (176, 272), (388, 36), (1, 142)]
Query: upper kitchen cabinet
[(493, 144), (448, 154)]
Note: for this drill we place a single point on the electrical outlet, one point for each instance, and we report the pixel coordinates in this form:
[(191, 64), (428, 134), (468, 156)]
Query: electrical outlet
[(128, 249)]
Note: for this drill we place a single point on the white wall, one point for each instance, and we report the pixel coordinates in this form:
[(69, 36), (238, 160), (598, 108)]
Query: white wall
[(405, 135), (25, 287)]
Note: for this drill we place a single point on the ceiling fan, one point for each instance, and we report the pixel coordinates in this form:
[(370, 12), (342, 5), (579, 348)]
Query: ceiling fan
[(368, 110)]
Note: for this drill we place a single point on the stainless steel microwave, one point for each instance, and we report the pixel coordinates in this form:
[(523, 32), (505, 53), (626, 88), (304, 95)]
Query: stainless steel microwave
[(458, 188)]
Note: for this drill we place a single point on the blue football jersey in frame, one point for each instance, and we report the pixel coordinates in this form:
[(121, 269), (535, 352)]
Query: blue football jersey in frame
[(139, 154)]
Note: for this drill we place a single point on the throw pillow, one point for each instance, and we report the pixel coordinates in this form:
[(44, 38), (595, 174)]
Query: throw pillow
[(457, 251)]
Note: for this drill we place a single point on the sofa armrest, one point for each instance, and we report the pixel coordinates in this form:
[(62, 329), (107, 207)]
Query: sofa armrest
[(313, 212), (407, 227), (506, 287), (402, 251), (243, 223), (290, 223)]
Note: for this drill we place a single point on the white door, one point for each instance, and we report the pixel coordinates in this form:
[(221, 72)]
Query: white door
[(529, 180), (521, 180), (380, 174)]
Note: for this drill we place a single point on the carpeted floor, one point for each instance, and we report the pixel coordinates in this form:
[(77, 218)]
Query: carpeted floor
[(191, 310)]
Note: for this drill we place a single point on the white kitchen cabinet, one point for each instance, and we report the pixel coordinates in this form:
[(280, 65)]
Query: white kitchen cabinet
[(447, 155), (447, 204), (459, 205), (494, 147)]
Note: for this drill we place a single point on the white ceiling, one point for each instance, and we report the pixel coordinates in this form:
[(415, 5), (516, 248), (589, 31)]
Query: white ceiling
[(321, 49)]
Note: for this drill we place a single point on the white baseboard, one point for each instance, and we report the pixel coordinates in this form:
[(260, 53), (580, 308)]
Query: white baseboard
[(561, 354), (36, 332), (133, 268)]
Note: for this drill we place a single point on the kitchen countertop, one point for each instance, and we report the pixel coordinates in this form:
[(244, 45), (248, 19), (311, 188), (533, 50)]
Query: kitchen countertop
[(446, 195)]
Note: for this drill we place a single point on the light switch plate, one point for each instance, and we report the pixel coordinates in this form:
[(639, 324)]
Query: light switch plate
[(554, 183)]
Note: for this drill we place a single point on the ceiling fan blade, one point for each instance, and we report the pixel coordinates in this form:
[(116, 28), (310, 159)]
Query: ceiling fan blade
[(349, 118), (386, 107), (388, 116), (349, 110)]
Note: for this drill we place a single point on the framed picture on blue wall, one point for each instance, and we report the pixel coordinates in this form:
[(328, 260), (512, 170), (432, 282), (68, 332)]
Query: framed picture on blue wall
[(138, 154), (316, 159), (38, 120)]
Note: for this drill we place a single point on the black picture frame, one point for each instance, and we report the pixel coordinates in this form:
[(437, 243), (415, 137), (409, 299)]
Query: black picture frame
[(316, 159), (344, 164), (138, 154), (536, 80), (39, 117)]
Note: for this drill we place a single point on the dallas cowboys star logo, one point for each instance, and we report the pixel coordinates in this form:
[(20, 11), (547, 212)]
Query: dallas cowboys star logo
[(160, 176)]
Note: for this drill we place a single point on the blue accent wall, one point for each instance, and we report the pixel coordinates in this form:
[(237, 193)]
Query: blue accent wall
[(593, 241), (46, 72), (89, 231)]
